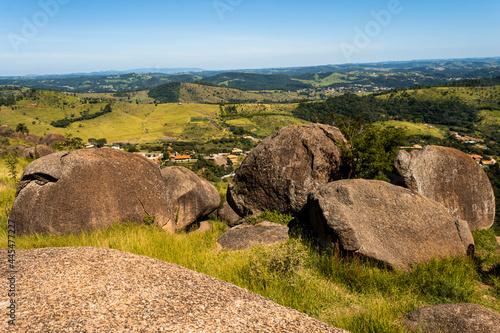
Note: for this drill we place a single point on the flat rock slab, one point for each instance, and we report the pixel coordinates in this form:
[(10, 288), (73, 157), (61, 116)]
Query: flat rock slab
[(103, 290), (452, 318), (244, 237)]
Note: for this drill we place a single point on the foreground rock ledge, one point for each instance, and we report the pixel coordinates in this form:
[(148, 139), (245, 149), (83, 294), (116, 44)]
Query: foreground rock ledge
[(103, 290)]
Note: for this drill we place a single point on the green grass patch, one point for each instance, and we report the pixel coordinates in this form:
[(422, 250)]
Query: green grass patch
[(276, 217), (413, 129), (324, 82)]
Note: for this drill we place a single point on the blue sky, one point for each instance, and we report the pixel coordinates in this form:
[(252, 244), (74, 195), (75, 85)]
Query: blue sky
[(65, 36)]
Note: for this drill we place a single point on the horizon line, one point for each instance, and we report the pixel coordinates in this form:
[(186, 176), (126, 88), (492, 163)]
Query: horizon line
[(198, 70)]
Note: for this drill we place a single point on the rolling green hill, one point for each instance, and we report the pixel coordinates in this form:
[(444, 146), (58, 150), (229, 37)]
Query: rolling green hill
[(136, 119), (205, 93)]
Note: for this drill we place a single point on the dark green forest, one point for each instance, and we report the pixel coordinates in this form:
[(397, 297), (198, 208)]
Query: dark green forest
[(402, 107), (166, 93), (250, 81)]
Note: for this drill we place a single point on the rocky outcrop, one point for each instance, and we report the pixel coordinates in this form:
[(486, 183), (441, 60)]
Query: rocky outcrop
[(41, 151), (228, 215), (51, 138), (452, 178), (285, 167), (89, 189), (103, 290), (452, 318), (247, 236), (193, 197), (28, 137), (5, 128), (388, 223)]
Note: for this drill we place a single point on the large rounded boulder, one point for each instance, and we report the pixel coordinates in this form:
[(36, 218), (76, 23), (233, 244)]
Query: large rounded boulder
[(388, 223), (285, 167), (70, 192), (193, 197), (452, 178)]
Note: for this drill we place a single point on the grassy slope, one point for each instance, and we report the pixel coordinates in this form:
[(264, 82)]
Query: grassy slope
[(478, 97), (276, 117), (191, 92), (145, 122), (127, 121), (485, 98), (142, 122), (329, 80), (196, 93), (138, 121), (141, 96), (416, 129)]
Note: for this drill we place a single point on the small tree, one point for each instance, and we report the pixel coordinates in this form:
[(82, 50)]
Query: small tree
[(12, 161), (22, 128), (371, 149), (100, 143)]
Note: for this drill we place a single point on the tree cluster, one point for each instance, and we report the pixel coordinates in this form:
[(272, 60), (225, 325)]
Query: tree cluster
[(210, 170), (166, 93), (7, 101), (403, 107), (85, 115)]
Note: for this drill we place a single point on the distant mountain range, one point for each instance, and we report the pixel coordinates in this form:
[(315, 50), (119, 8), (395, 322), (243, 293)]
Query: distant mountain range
[(376, 66), (357, 77), (112, 72)]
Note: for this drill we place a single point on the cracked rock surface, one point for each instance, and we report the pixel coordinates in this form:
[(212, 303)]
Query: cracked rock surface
[(71, 192)]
